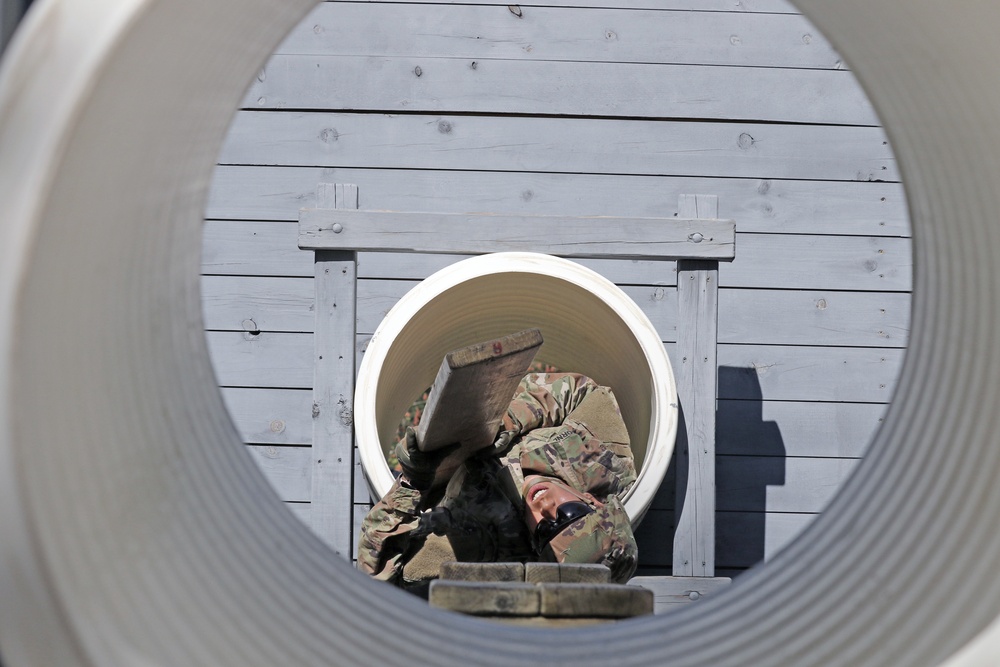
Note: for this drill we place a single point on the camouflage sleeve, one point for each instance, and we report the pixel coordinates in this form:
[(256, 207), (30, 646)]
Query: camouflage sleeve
[(385, 533), (544, 399)]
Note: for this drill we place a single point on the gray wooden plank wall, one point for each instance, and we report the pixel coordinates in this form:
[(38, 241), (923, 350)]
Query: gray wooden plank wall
[(584, 108)]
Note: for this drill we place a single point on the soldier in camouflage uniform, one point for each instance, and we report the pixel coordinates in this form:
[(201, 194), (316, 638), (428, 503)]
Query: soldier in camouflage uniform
[(548, 490)]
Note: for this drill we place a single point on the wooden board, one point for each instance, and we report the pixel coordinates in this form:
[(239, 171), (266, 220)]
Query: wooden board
[(759, 204), (287, 468), (452, 85), (768, 372), (748, 316), (564, 145), (744, 538), (746, 427), (565, 236), (608, 34), (270, 416), (472, 390)]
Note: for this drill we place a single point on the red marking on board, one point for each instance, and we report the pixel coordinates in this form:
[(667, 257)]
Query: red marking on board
[(498, 348)]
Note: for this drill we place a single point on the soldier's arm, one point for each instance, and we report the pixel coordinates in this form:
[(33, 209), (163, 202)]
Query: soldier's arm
[(544, 399), (385, 532)]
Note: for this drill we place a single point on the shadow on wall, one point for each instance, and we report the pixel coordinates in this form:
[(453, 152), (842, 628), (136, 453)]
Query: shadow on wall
[(750, 456)]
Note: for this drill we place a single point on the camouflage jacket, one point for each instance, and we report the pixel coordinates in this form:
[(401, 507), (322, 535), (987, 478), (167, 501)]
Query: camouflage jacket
[(478, 516)]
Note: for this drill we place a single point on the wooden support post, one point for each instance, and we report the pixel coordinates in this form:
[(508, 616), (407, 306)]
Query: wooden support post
[(697, 380), (332, 494)]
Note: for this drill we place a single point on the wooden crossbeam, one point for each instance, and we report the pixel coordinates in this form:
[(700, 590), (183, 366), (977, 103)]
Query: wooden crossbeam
[(474, 233)]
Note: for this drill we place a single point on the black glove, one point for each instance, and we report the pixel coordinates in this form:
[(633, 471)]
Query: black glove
[(419, 467)]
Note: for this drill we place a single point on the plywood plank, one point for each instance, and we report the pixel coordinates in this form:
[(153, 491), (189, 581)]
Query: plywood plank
[(565, 236), (759, 205), (624, 34), (564, 145), (452, 85)]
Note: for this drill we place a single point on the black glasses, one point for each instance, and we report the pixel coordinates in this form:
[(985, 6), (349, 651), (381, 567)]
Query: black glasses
[(566, 514)]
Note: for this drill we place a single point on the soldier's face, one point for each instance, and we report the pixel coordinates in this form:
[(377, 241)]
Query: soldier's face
[(544, 497)]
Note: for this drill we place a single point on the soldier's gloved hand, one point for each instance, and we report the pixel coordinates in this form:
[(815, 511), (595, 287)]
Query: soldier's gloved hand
[(420, 467)]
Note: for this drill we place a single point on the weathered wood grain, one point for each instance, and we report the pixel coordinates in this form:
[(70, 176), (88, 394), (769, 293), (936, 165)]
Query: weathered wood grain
[(270, 416), (749, 316), (564, 145), (760, 205), (470, 395), (744, 538), (768, 372), (608, 34), (646, 90), (253, 248), (697, 389), (744, 426), (565, 236), (808, 373), (288, 470), (334, 364)]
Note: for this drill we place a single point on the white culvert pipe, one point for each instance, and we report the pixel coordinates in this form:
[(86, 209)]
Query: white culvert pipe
[(590, 326)]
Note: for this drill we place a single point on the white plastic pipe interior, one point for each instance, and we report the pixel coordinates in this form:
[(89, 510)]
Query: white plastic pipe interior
[(589, 325), (136, 532)]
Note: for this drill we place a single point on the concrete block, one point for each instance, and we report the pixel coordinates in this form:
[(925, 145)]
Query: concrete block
[(486, 598), (455, 571), (595, 600), (568, 573)]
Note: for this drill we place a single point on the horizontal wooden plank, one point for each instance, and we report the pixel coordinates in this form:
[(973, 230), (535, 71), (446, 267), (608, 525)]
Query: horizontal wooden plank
[(565, 236), (255, 303), (757, 205), (743, 539), (765, 372), (641, 90), (803, 373), (744, 427), (563, 145), (253, 248), (794, 428), (757, 316), (620, 34), (288, 469), (270, 416), (778, 484), (768, 6), (820, 262), (301, 511), (765, 261), (281, 360)]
